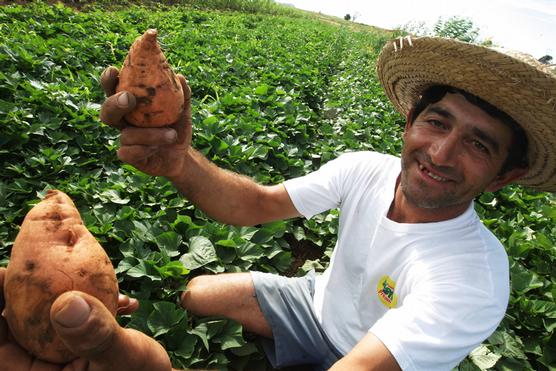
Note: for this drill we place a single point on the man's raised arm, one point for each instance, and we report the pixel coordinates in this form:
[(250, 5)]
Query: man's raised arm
[(223, 195)]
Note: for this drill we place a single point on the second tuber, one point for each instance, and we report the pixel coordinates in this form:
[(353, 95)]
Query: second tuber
[(53, 253)]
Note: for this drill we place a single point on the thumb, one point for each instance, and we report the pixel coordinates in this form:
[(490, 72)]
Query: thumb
[(115, 107), (90, 331), (84, 324)]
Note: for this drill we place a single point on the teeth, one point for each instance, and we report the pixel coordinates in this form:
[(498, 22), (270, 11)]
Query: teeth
[(439, 178), (434, 176)]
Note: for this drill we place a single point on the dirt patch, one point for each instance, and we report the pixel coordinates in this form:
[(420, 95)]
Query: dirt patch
[(301, 251)]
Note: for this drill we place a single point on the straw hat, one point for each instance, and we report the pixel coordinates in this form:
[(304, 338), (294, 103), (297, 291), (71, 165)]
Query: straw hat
[(517, 84)]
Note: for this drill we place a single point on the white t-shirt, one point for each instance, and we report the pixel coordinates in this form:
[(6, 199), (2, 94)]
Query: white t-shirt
[(431, 292)]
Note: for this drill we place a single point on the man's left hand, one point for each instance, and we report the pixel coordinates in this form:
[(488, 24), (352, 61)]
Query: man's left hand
[(92, 333)]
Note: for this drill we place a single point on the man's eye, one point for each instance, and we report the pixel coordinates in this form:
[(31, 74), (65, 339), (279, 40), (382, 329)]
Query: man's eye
[(480, 146), (436, 123)]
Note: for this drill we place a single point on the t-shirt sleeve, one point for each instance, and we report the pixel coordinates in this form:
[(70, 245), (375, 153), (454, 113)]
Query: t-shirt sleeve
[(325, 188), (434, 331)]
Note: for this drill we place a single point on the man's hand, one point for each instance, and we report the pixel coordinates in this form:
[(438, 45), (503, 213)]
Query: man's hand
[(221, 194), (155, 151), (370, 354), (91, 332)]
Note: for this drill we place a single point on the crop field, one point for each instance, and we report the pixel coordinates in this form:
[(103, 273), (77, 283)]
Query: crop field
[(275, 95)]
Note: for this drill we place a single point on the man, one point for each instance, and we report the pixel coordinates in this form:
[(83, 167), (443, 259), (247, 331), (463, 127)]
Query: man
[(416, 281)]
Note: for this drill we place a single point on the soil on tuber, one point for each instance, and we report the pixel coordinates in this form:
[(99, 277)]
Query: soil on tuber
[(53, 253), (148, 76)]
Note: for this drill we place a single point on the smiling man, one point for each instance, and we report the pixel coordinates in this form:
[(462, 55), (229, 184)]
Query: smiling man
[(415, 281), (454, 150)]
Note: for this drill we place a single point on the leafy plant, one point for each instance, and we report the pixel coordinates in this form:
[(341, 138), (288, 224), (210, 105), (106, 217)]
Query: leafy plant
[(459, 28), (274, 97)]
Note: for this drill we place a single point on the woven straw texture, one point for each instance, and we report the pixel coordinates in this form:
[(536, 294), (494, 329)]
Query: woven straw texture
[(517, 84)]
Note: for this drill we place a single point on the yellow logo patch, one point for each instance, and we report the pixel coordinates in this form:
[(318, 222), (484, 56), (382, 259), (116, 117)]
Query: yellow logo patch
[(385, 291)]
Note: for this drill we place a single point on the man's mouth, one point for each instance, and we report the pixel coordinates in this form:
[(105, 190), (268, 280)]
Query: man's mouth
[(433, 176)]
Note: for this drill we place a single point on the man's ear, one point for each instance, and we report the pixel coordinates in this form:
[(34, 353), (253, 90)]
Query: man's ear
[(504, 179), (408, 120)]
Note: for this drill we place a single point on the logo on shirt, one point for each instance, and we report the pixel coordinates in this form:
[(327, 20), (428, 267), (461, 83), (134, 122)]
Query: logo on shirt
[(385, 291)]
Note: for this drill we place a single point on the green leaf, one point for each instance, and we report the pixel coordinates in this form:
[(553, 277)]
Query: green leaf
[(244, 350), (466, 365), (507, 345), (547, 308), (250, 252), (201, 252), (201, 331), (173, 269), (524, 280), (262, 89), (126, 264), (299, 233), (269, 231), (211, 120), (247, 233), (187, 346), (164, 316), (113, 196), (231, 336), (483, 357), (227, 243), (143, 230), (144, 269), (169, 242), (140, 316)]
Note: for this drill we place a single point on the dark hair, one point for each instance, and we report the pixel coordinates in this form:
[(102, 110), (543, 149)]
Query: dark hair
[(517, 155)]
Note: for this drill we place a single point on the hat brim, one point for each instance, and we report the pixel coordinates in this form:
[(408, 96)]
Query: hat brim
[(523, 89)]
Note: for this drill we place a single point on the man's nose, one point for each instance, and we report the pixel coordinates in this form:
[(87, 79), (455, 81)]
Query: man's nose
[(443, 151)]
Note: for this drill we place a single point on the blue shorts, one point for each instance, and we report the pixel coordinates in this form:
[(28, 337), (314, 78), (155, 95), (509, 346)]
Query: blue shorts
[(298, 338)]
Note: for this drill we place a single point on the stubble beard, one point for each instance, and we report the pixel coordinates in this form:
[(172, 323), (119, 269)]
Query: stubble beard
[(417, 193), (419, 196)]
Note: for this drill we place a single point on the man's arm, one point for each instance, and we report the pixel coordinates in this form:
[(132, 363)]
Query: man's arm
[(368, 355), (229, 197), (225, 196)]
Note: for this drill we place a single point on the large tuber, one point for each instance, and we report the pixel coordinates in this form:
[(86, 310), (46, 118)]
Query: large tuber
[(53, 253), (147, 75)]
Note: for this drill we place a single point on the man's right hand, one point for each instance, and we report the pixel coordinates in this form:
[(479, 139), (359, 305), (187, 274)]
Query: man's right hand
[(155, 151), (223, 195)]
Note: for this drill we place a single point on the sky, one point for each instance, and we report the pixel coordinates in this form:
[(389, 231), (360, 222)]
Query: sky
[(528, 26)]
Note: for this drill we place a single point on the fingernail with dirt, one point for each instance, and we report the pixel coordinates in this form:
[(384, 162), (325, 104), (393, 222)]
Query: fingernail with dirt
[(74, 313), (171, 136), (123, 100)]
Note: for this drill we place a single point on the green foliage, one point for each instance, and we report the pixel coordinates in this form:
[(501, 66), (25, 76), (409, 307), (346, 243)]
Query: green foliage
[(259, 102), (459, 28), (525, 223), (455, 27), (247, 6), (274, 97)]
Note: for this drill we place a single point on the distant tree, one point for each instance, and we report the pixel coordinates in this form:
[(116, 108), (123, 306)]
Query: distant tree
[(547, 59), (456, 27), (347, 17), (416, 28)]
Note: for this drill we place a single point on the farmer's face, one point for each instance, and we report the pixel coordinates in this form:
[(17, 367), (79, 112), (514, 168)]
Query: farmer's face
[(452, 152)]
